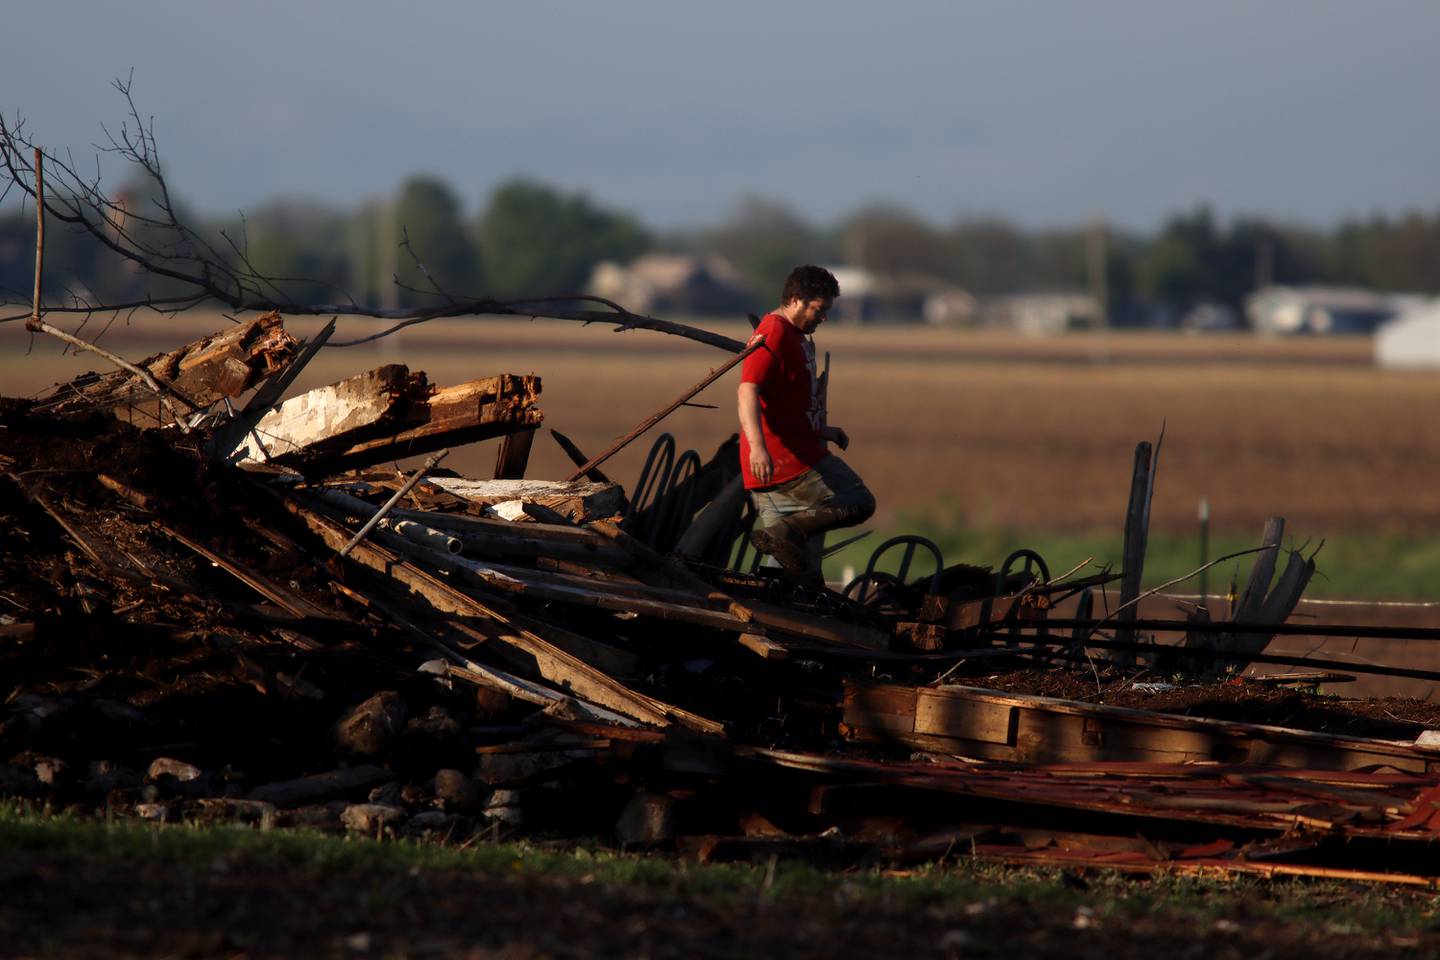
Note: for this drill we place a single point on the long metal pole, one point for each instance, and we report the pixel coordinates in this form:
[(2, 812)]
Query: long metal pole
[(389, 504), (1205, 653), (649, 422), (1372, 632)]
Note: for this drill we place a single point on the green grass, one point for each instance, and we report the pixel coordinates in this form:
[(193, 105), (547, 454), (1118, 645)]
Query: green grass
[(1352, 566), (1323, 905)]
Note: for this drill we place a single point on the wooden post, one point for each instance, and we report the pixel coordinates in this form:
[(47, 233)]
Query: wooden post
[(34, 325), (1137, 517), (1263, 572), (514, 455)]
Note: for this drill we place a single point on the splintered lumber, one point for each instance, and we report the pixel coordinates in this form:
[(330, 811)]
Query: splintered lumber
[(387, 414), (467, 412), (575, 500), (334, 416), (286, 599), (992, 725), (224, 364), (1392, 807), (548, 660), (225, 443), (637, 599)]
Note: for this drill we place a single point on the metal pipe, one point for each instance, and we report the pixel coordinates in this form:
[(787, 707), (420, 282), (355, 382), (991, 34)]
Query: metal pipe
[(380, 515), (429, 536), (624, 441)]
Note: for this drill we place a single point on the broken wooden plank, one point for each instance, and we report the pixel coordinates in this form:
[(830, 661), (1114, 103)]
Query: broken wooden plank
[(577, 501), (548, 660), (287, 599), (334, 416), (223, 364), (478, 410), (1006, 726), (514, 455), (578, 591), (1137, 523), (826, 629)]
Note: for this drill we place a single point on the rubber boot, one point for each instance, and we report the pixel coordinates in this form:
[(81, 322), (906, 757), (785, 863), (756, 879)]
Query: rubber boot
[(780, 541)]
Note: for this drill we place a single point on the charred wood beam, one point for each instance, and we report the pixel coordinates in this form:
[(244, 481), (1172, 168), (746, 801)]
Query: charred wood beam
[(548, 660)]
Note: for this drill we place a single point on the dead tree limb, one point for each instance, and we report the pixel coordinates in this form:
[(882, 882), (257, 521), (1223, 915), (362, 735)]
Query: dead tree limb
[(39, 238), (162, 246)]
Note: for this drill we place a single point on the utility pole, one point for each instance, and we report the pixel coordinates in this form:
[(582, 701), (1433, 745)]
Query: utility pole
[(1095, 263), (1265, 263)]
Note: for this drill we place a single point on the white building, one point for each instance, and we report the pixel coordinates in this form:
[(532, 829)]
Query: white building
[(1411, 340), (1317, 310)]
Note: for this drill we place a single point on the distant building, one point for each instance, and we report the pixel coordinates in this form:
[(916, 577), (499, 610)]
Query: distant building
[(1411, 340), (1317, 310), (1040, 313), (877, 298), (673, 283)]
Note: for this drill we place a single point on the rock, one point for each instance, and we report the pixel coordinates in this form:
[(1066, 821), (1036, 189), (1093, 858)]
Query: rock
[(435, 723), (455, 791), (158, 812), (162, 767), (106, 775), (51, 771), (505, 768), (386, 793), (431, 821), (504, 806), (372, 818), (178, 778), (321, 786), (370, 729), (227, 810), (415, 795), (647, 819), (117, 712)]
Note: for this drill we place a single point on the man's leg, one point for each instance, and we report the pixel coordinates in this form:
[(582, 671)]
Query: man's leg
[(792, 518), (773, 538)]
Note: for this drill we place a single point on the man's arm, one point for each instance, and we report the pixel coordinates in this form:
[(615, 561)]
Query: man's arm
[(748, 402), (837, 436)]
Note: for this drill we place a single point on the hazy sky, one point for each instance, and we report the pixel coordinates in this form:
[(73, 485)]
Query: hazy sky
[(1044, 112)]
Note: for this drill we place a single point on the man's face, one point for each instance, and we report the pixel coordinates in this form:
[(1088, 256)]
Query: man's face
[(811, 313)]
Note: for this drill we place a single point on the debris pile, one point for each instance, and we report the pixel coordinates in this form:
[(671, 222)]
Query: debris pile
[(236, 615)]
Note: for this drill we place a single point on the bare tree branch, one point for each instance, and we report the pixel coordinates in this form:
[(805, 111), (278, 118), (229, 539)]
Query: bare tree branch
[(162, 246)]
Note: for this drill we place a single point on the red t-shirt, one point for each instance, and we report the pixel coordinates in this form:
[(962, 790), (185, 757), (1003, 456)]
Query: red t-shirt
[(784, 370)]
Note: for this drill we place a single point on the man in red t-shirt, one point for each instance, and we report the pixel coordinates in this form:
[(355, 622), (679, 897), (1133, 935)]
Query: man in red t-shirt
[(799, 489)]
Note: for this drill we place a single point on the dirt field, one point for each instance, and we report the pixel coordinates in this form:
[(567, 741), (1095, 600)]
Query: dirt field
[(1008, 431)]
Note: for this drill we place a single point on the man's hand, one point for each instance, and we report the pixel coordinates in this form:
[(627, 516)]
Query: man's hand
[(838, 436), (760, 465)]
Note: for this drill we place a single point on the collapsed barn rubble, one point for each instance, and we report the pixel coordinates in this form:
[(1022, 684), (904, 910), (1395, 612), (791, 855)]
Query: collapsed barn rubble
[(216, 609)]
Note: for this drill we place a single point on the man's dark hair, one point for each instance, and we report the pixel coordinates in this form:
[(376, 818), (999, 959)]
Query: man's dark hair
[(809, 282)]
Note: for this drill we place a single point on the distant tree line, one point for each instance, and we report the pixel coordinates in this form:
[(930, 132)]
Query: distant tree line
[(531, 239)]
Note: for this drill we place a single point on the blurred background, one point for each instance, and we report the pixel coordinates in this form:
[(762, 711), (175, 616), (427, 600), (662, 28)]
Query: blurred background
[(1057, 227)]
